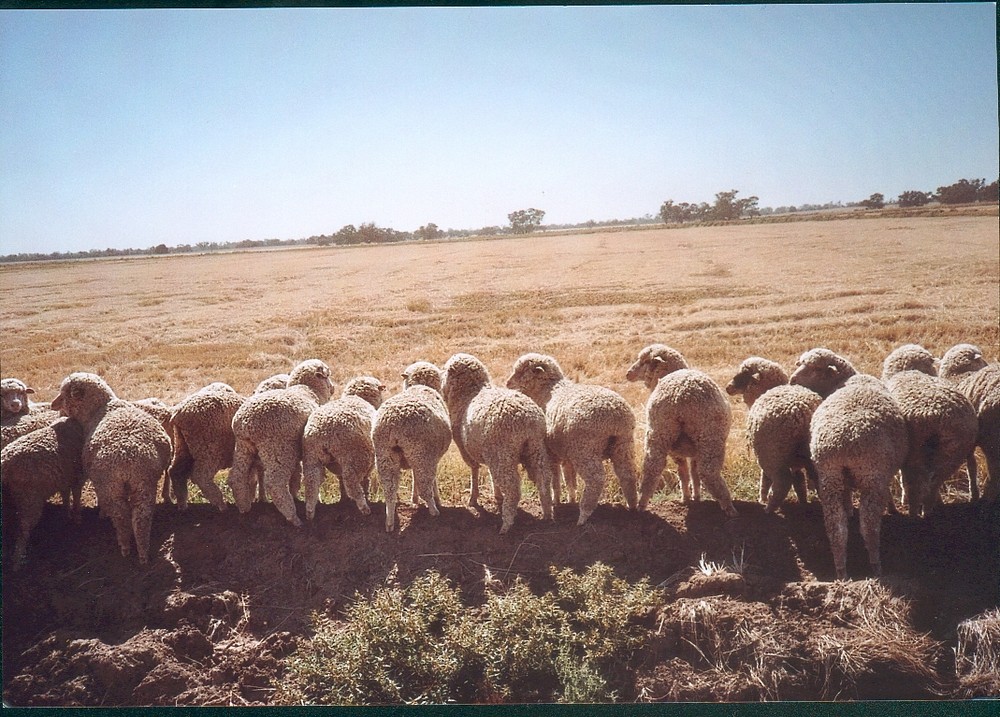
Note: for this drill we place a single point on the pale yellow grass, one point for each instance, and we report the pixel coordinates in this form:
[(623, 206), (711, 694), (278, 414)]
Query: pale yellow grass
[(166, 326)]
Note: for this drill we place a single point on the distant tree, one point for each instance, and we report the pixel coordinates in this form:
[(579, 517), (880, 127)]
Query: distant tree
[(964, 191), (428, 231), (990, 193), (525, 221), (347, 234), (728, 207), (160, 249), (875, 201), (914, 198)]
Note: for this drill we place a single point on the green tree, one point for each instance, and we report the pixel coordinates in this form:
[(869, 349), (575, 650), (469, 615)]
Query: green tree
[(914, 198), (525, 221), (728, 207), (990, 193), (964, 191), (875, 201), (428, 231)]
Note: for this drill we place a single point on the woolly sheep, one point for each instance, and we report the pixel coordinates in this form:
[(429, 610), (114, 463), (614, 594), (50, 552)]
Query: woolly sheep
[(411, 430), (584, 426), (18, 415), (269, 426), (35, 467), (125, 452), (687, 418), (858, 442), (499, 428), (777, 427), (941, 425), (422, 373), (821, 370), (909, 357), (202, 428), (337, 437), (966, 369)]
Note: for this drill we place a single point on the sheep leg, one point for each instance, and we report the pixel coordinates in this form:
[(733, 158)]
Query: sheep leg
[(914, 487), (280, 471), (178, 471), (123, 530), (541, 469), (684, 473), (203, 476), (425, 481), (991, 490), (781, 482), (799, 484), (30, 513), (313, 473), (873, 503), (142, 525), (506, 475), (695, 481), (242, 474), (77, 491), (765, 486), (708, 470), (653, 463), (355, 479), (623, 462), (569, 478), (295, 482), (972, 468), (835, 520), (592, 472), (388, 474)]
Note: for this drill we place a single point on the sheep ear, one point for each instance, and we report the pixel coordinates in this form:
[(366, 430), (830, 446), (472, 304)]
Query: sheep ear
[(404, 375), (29, 390), (381, 387), (756, 376), (976, 357), (538, 369), (833, 369), (658, 359)]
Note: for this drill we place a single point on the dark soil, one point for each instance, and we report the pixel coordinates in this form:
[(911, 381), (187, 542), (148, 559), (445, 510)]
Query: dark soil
[(226, 596)]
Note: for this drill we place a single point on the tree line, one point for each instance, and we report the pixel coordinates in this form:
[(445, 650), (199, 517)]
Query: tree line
[(726, 207)]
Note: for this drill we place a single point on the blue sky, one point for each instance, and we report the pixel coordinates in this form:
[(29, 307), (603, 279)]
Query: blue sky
[(139, 127)]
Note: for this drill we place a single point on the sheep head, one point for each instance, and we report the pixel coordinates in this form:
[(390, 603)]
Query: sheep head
[(82, 396), (464, 377), (367, 387), (535, 375), (14, 397), (422, 373), (821, 370), (655, 362), (963, 358), (316, 375), (755, 377), (910, 357)]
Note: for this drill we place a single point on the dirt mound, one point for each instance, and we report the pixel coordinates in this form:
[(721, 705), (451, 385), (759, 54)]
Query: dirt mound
[(226, 596)]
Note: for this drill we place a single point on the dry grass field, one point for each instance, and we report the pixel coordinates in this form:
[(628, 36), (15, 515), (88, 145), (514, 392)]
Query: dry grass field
[(745, 612)]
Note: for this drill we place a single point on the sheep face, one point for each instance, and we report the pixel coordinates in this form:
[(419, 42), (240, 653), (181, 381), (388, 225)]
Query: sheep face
[(82, 395), (821, 370), (316, 375), (464, 376), (14, 396), (366, 387), (910, 357), (655, 362), (534, 375), (744, 378), (422, 373), (963, 358), (279, 380)]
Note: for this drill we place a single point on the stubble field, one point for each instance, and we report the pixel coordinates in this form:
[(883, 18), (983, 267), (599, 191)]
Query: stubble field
[(220, 607)]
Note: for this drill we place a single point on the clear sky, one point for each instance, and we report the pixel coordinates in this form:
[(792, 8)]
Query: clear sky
[(140, 127)]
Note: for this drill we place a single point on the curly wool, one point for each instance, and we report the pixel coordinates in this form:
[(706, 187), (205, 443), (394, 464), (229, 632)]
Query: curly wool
[(585, 425), (982, 388), (18, 415), (411, 430), (961, 359), (124, 454), (422, 373), (337, 437), (654, 362), (499, 428), (755, 377), (858, 441), (36, 466), (909, 357), (941, 425), (269, 426)]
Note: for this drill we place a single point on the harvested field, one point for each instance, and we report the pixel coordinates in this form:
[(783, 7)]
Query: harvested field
[(749, 612)]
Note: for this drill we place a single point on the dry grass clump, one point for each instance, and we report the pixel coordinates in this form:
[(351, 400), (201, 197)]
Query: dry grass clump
[(977, 656)]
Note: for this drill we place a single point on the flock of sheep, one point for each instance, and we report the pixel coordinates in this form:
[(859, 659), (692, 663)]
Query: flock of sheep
[(841, 430)]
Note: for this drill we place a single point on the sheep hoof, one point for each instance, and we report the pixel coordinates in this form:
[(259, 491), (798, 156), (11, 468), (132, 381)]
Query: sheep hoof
[(504, 529), (365, 510)]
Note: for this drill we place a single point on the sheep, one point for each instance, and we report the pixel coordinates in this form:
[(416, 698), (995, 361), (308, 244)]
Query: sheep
[(411, 430), (18, 415), (278, 380), (269, 426), (422, 373), (942, 427), (821, 370), (965, 368), (38, 465), (499, 428), (125, 452), (687, 418), (337, 436), (202, 429), (909, 357), (584, 426), (777, 428), (858, 440)]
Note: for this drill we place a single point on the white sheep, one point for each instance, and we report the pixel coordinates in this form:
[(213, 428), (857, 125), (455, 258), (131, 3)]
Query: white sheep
[(585, 425), (858, 442), (125, 452), (18, 414), (38, 465), (412, 430), (941, 425), (337, 436), (822, 370), (688, 419), (966, 369), (499, 428), (777, 428), (269, 426), (422, 373), (909, 357)]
